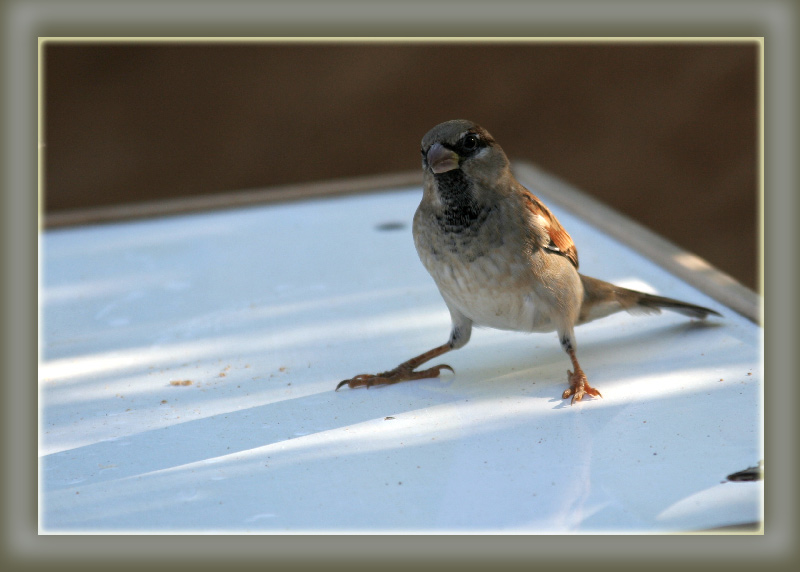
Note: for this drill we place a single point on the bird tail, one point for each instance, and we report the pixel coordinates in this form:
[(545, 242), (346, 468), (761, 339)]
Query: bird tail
[(601, 299)]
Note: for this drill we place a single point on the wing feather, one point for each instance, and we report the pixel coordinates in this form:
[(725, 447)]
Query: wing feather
[(560, 241)]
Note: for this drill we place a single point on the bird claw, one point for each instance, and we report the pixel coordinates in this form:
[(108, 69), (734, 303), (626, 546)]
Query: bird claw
[(578, 387), (396, 375)]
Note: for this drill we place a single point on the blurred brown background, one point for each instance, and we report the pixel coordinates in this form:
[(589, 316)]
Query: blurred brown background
[(665, 133)]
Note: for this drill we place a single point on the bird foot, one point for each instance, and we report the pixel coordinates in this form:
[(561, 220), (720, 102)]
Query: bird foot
[(578, 387), (400, 373)]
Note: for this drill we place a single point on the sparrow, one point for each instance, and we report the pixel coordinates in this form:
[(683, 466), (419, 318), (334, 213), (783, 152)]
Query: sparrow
[(501, 259)]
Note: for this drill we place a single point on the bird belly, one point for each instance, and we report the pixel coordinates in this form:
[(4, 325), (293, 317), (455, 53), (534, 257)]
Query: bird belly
[(493, 294)]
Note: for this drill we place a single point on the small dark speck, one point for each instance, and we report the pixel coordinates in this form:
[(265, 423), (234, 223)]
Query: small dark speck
[(390, 225), (387, 418)]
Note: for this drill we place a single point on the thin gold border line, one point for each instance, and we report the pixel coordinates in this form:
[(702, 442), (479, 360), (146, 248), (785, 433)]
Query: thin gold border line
[(405, 39)]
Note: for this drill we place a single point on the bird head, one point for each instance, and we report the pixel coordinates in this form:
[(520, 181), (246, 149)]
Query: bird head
[(466, 146)]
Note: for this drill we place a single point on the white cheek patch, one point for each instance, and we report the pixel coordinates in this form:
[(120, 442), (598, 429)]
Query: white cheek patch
[(482, 152)]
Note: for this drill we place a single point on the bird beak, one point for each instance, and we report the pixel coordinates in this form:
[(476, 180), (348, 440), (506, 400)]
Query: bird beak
[(441, 159)]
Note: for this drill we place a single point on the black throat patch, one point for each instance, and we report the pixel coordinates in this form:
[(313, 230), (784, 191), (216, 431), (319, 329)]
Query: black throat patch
[(460, 209)]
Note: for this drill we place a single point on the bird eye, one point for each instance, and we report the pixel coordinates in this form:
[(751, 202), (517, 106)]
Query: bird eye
[(470, 141)]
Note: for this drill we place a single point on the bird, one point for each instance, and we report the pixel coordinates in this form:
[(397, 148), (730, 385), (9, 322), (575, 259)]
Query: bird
[(501, 259)]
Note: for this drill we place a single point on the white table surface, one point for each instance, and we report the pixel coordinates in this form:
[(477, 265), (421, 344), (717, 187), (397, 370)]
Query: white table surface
[(264, 309)]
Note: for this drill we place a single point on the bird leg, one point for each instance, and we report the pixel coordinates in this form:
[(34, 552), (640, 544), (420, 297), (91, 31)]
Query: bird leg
[(578, 384), (403, 372)]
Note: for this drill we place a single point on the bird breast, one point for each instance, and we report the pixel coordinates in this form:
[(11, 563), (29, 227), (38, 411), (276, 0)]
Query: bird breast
[(480, 272)]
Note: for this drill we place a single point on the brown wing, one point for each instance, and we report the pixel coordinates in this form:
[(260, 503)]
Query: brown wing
[(560, 240)]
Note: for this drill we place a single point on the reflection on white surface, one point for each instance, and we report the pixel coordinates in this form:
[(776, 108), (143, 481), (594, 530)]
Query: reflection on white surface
[(727, 500), (188, 367)]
